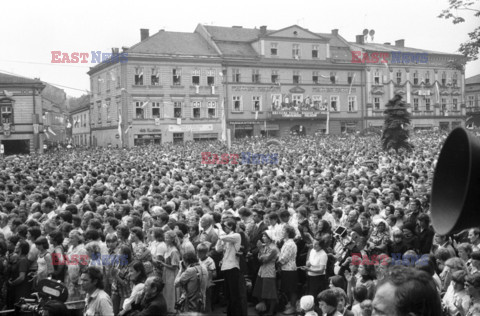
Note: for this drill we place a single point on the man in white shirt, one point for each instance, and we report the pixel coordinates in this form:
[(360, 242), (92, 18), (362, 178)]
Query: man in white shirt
[(230, 244), (97, 301)]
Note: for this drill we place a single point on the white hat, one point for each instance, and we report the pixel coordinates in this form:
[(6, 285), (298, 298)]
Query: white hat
[(307, 302)]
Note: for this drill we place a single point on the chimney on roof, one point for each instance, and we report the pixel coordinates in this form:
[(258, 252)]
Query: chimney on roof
[(400, 43), (144, 34), (162, 30), (263, 30), (125, 48), (335, 32), (360, 39), (115, 50), (387, 43)]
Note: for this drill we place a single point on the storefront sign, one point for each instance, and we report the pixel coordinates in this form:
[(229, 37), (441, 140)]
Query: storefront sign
[(150, 130), (190, 128), (244, 127), (244, 122), (299, 114), (333, 90)]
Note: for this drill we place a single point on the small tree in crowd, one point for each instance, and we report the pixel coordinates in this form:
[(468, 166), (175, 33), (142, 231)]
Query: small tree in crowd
[(395, 129)]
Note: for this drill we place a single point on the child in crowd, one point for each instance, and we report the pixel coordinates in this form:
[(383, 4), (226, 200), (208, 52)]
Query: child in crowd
[(203, 258), (307, 304)]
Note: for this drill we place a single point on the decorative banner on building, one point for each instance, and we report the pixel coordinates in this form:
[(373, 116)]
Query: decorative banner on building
[(255, 89), (192, 128), (333, 90), (299, 114)]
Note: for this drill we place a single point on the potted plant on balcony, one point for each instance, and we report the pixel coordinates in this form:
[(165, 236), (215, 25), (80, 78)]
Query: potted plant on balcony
[(395, 129)]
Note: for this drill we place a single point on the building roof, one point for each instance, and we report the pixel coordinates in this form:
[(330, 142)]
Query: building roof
[(11, 79), (174, 43), (388, 48), (334, 40), (233, 34), (473, 80), (236, 49)]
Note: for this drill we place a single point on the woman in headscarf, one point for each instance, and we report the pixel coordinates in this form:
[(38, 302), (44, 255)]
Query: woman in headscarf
[(265, 285)]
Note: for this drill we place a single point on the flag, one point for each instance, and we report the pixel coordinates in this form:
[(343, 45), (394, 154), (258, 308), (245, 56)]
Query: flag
[(224, 123), (51, 131), (7, 93), (69, 125), (197, 89), (128, 128), (351, 83), (256, 115), (437, 92), (144, 104), (104, 105), (112, 75), (120, 125)]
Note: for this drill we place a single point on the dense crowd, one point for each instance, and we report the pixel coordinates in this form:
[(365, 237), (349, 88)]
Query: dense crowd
[(337, 227)]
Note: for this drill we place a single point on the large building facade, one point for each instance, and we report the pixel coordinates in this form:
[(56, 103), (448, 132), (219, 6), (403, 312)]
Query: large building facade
[(177, 86), (283, 82), (169, 90), (429, 84), (21, 122)]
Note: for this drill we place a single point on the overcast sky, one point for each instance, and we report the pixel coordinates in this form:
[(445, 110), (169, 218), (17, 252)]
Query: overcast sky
[(31, 29)]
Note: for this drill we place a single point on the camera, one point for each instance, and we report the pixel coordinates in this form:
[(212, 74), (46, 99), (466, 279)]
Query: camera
[(180, 304), (48, 290), (33, 306)]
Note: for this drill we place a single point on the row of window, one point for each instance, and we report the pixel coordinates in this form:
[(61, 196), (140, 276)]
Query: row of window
[(296, 77), (426, 104), (152, 110), (274, 77), (179, 108), (296, 51), (417, 79)]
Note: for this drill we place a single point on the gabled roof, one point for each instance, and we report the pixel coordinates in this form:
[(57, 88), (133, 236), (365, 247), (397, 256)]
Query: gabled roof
[(174, 43), (473, 80), (11, 79), (314, 35), (232, 34)]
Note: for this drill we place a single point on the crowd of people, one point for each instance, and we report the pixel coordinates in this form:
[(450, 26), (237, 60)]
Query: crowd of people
[(337, 227)]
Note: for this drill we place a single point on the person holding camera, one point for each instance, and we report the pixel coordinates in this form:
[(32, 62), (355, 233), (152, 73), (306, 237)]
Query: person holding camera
[(193, 278), (230, 244)]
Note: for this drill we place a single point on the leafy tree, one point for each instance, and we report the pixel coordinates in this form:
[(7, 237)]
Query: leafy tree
[(395, 129), (470, 48)]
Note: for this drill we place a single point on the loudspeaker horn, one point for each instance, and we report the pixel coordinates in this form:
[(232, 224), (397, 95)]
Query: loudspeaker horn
[(456, 184)]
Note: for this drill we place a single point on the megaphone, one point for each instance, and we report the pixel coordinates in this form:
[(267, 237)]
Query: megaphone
[(456, 184)]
